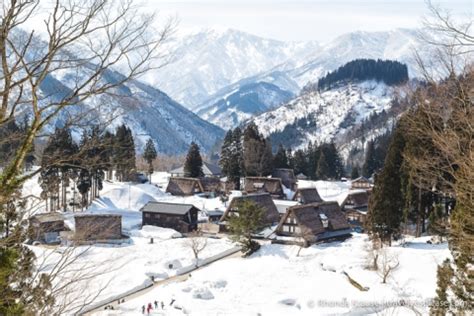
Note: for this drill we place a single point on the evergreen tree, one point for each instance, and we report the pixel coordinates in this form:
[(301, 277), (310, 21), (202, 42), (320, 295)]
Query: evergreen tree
[(355, 172), (368, 168), (231, 156), (441, 303), (124, 153), (322, 170), (257, 152), (300, 162), (150, 154), (280, 160), (193, 163), (387, 201), (248, 222)]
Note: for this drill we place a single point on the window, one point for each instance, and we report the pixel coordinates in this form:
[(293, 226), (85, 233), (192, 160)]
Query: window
[(147, 215)]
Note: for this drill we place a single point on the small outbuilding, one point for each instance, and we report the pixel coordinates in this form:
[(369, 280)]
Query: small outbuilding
[(315, 222), (180, 217), (98, 227), (307, 196), (361, 183), (262, 199), (355, 207), (46, 227), (273, 186), (287, 177), (184, 186)]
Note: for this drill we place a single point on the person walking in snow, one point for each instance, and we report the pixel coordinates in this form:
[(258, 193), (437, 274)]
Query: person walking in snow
[(156, 305), (143, 309), (162, 305), (149, 308), (172, 301)]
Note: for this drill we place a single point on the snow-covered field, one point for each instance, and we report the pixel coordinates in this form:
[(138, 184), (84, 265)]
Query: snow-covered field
[(275, 281)]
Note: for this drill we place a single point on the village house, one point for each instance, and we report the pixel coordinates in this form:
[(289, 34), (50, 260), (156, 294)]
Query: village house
[(287, 177), (361, 183), (264, 200), (184, 186), (208, 169), (47, 227), (355, 207), (273, 186), (98, 227), (314, 222), (307, 196), (283, 206), (180, 217)]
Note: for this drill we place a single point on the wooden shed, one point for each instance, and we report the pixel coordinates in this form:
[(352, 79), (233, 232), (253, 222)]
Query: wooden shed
[(262, 199), (46, 227), (98, 227), (180, 217), (355, 207), (360, 183), (315, 222), (184, 186), (273, 186), (287, 177), (307, 196)]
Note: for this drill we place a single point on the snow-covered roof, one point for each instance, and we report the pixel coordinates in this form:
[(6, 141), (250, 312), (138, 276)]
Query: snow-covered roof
[(167, 208), (207, 168)]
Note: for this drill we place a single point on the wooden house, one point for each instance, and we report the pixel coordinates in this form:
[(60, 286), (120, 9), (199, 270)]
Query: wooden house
[(273, 186), (355, 207), (315, 222), (184, 186), (262, 199), (98, 227), (209, 170), (180, 217), (287, 177), (46, 227), (307, 196), (283, 206), (360, 183)]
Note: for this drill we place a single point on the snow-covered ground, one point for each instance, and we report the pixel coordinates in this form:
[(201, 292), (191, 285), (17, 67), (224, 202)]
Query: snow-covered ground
[(275, 281)]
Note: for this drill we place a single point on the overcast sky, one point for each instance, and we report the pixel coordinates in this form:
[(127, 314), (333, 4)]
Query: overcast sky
[(302, 19)]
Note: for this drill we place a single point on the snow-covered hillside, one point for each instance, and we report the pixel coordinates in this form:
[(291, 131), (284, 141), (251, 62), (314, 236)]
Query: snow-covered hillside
[(205, 63), (321, 117), (244, 103), (209, 60)]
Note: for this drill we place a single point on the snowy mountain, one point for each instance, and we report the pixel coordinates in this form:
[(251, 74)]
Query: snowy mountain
[(146, 110), (206, 61), (329, 116), (243, 103)]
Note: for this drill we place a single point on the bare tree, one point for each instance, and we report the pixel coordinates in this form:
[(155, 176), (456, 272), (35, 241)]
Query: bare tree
[(197, 243), (86, 40), (388, 264), (305, 237)]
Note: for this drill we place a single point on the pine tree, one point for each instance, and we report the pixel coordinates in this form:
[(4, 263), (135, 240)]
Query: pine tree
[(300, 163), (124, 153), (150, 154), (387, 201), (280, 160), (369, 165), (193, 163), (248, 222), (322, 170), (257, 152), (355, 172), (441, 303)]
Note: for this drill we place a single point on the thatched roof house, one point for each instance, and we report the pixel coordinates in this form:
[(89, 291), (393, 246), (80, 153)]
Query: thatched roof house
[(314, 222), (211, 184), (47, 227), (360, 183), (307, 196), (358, 199), (273, 186), (184, 186), (262, 199), (98, 227), (287, 177), (180, 217), (208, 169)]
